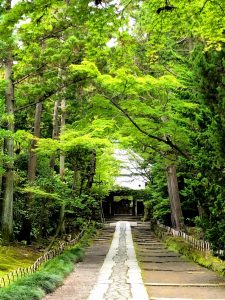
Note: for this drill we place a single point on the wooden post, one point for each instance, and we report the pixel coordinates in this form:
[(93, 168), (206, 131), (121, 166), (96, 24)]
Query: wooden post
[(136, 207)]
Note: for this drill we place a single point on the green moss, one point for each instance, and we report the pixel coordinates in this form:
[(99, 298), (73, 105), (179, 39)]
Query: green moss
[(49, 276), (203, 258), (14, 257)]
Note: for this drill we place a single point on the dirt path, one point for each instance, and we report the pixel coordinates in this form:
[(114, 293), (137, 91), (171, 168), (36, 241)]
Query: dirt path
[(167, 275)]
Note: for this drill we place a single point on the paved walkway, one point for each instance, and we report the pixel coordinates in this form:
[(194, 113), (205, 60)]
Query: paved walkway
[(78, 285), (115, 274), (120, 275), (169, 276)]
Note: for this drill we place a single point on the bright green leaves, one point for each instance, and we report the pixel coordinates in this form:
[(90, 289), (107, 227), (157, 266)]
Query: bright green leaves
[(204, 19), (72, 139), (85, 70), (107, 169), (102, 127), (38, 192)]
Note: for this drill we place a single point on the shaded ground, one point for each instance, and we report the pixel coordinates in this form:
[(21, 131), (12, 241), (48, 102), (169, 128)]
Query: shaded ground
[(120, 275), (166, 274)]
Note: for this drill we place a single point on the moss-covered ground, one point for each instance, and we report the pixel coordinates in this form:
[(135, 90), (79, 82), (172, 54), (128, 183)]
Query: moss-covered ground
[(203, 258), (16, 256), (49, 276)]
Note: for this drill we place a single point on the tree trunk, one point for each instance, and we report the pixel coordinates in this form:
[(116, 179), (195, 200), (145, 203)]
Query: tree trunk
[(62, 127), (7, 205), (25, 232), (60, 227), (62, 164), (32, 161), (176, 212), (55, 129), (1, 164), (76, 181), (91, 172)]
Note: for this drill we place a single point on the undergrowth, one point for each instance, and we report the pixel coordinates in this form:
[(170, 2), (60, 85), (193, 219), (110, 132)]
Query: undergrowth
[(49, 276)]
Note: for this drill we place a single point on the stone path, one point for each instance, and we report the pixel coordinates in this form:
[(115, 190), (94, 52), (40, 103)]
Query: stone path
[(78, 285), (120, 275), (115, 274), (167, 275)]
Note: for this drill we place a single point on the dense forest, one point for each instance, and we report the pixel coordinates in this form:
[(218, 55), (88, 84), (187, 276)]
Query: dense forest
[(76, 76)]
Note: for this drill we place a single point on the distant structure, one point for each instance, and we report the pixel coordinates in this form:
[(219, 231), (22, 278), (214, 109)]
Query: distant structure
[(121, 201), (131, 175)]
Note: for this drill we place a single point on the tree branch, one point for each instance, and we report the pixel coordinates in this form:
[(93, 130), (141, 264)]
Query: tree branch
[(28, 75), (203, 6), (49, 94), (41, 99), (166, 141)]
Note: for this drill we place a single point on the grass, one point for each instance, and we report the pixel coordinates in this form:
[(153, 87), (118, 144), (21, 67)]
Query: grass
[(49, 276)]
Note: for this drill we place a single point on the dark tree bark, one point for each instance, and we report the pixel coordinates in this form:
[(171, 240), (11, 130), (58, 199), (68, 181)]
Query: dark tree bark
[(62, 165), (32, 160), (60, 227), (92, 170), (55, 129), (176, 211)]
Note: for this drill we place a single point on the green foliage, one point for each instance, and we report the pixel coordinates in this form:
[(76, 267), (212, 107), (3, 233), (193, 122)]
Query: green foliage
[(159, 90), (35, 286), (158, 203)]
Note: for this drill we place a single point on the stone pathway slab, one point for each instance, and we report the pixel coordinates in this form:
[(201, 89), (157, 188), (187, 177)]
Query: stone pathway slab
[(78, 285), (120, 276), (172, 277)]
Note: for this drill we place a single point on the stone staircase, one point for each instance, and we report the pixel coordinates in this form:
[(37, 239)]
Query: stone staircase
[(167, 275)]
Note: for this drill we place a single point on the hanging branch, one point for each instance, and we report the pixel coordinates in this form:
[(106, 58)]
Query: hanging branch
[(28, 75), (166, 141), (42, 99), (203, 6), (47, 95)]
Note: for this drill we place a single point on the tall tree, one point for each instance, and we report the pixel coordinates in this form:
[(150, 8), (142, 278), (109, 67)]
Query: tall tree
[(7, 207), (25, 232)]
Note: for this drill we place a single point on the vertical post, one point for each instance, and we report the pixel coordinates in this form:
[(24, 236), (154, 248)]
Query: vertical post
[(136, 207), (110, 208)]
